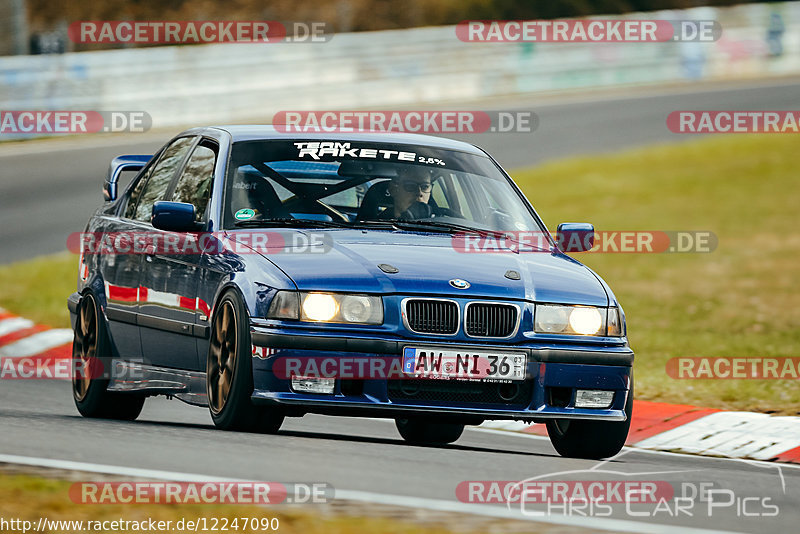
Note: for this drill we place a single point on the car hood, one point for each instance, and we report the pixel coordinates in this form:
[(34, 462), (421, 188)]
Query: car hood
[(426, 262)]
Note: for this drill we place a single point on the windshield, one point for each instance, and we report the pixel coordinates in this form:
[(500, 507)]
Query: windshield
[(353, 184)]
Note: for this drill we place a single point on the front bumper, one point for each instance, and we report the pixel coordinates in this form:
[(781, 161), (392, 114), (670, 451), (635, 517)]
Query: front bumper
[(553, 374)]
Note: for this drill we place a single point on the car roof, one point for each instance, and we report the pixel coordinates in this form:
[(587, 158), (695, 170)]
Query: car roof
[(255, 132)]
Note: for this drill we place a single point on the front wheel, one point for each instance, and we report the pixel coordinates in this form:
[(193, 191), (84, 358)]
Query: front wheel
[(428, 432), (229, 373), (90, 352), (579, 438)]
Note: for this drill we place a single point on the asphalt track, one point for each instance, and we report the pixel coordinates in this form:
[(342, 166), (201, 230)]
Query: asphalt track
[(38, 420), (47, 191)]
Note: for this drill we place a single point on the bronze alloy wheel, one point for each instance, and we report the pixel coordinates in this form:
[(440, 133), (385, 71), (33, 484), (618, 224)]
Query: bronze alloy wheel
[(84, 348), (222, 357), (91, 365), (229, 372)]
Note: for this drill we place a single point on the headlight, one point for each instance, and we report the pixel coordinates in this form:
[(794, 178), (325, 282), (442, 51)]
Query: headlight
[(586, 321), (552, 319), (361, 309), (320, 307), (326, 307), (580, 320)]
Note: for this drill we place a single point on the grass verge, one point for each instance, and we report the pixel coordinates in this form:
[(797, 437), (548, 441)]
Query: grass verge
[(38, 288), (29, 498), (739, 301)]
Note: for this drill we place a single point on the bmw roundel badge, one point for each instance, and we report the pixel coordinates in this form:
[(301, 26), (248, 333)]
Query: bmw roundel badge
[(458, 283)]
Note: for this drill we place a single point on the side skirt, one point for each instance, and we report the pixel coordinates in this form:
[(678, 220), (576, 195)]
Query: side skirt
[(132, 377)]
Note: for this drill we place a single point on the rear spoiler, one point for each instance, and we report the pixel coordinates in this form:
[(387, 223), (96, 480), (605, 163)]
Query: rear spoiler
[(119, 164)]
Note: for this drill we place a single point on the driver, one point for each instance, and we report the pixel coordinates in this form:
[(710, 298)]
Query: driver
[(410, 194)]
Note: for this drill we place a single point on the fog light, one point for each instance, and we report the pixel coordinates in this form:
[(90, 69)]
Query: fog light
[(593, 398), (310, 384)]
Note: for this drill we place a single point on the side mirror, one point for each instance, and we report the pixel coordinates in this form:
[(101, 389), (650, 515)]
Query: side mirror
[(174, 217), (118, 165), (575, 237)]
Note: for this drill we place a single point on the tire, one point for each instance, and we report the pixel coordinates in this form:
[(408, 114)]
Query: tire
[(229, 372), (90, 352), (422, 431), (578, 438)]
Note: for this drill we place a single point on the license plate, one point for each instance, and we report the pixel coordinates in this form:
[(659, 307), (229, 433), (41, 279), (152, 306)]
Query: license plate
[(487, 366)]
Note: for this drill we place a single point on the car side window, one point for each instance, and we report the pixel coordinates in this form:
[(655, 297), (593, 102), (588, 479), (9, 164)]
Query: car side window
[(160, 178), (194, 185), (439, 194), (448, 192), (136, 192)]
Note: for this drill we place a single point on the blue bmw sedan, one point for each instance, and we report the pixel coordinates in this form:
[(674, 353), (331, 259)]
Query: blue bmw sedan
[(268, 275)]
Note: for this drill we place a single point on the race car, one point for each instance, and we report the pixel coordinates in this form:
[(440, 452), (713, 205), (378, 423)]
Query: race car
[(268, 275)]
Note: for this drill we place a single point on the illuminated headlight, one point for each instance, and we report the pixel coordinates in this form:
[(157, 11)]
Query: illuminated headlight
[(586, 321), (593, 398), (580, 320), (320, 307), (327, 307)]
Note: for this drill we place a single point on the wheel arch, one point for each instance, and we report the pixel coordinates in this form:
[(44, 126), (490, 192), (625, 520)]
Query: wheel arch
[(96, 288), (224, 289)]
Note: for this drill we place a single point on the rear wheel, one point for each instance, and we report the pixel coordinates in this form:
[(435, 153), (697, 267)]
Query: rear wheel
[(90, 352), (424, 431), (579, 438), (229, 373)]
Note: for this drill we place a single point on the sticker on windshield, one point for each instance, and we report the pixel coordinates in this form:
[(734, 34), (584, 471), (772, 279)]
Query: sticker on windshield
[(317, 149), (244, 214)]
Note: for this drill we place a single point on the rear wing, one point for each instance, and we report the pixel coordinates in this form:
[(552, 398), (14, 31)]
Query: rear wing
[(119, 164)]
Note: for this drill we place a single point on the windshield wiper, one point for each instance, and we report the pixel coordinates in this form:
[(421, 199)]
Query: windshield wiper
[(290, 222), (447, 227), (375, 223), (311, 223)]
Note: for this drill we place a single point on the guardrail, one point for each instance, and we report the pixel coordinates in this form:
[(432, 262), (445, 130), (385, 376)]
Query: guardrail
[(216, 83)]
